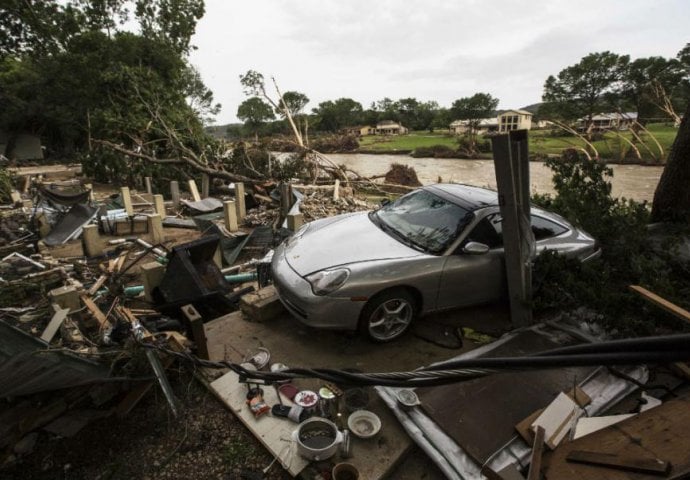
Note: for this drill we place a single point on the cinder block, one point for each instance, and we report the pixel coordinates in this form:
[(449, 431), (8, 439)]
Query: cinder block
[(65, 297), (151, 276), (262, 305)]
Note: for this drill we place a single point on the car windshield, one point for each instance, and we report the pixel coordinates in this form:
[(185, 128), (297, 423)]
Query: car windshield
[(422, 220)]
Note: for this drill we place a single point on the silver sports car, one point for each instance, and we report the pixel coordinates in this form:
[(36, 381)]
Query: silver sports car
[(436, 248)]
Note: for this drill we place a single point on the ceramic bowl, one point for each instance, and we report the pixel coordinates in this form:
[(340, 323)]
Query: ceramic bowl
[(364, 424)]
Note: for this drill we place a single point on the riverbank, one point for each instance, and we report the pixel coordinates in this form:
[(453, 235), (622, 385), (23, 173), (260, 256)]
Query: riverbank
[(637, 182), (613, 147)]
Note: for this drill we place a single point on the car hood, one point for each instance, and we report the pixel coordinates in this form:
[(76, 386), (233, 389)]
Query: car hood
[(342, 240)]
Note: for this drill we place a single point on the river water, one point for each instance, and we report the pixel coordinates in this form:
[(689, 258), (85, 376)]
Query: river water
[(631, 181)]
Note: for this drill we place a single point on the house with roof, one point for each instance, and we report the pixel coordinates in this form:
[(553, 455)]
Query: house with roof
[(390, 127), (608, 121), (486, 125), (514, 120)]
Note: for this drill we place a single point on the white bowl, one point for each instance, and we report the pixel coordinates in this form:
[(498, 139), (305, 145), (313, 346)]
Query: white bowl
[(363, 423)]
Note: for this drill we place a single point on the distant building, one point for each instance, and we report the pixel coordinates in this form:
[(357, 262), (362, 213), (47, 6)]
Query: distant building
[(384, 127), (486, 125), (608, 121), (514, 120), (390, 127)]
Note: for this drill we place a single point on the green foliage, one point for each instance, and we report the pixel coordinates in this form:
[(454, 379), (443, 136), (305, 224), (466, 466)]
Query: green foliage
[(584, 89), (331, 116), (254, 112), (629, 254)]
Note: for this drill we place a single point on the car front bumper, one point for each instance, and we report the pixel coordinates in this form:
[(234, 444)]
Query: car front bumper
[(318, 311)]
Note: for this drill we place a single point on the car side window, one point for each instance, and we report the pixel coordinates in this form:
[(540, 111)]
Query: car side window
[(488, 231), (543, 228)]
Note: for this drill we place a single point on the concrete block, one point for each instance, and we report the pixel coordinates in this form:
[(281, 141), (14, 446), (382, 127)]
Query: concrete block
[(65, 297), (151, 276), (295, 221), (91, 241), (262, 305)]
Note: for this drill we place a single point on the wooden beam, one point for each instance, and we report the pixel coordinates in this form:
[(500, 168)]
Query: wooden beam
[(95, 311), (54, 325), (652, 466), (537, 452), (664, 304), (198, 331)]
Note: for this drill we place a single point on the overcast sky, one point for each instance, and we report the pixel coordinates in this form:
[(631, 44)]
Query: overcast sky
[(431, 50)]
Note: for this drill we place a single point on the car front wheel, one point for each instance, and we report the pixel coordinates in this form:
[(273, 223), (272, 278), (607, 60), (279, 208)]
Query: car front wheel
[(388, 315)]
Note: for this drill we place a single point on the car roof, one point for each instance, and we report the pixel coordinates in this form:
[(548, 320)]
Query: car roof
[(467, 196)]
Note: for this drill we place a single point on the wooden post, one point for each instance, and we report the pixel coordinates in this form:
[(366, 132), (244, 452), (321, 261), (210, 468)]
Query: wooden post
[(175, 193), (205, 185), (156, 228), (239, 198), (147, 182), (127, 201), (512, 178), (295, 221), (285, 200), (230, 215), (197, 324), (89, 187), (159, 205), (92, 241), (336, 190), (193, 190), (537, 451)]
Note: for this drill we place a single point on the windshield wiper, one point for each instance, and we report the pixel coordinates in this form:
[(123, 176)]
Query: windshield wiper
[(399, 236)]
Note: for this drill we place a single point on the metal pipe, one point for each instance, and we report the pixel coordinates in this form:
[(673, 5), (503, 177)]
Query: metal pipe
[(241, 277)]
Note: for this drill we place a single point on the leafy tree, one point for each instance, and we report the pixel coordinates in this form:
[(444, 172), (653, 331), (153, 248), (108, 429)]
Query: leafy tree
[(69, 72), (583, 89), (334, 115), (473, 109), (295, 103), (638, 86), (254, 112)]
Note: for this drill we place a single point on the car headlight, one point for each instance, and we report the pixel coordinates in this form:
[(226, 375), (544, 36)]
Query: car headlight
[(328, 281)]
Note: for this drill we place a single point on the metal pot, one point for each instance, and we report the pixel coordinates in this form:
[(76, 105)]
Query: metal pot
[(317, 439)]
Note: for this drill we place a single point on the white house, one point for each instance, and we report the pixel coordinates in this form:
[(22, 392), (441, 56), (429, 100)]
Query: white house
[(514, 120), (486, 125), (609, 121)]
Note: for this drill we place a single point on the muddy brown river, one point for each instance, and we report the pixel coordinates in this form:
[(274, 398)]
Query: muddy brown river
[(631, 181)]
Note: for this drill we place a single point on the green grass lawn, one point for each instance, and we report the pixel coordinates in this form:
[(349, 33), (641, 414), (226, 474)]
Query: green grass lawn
[(407, 142), (542, 142)]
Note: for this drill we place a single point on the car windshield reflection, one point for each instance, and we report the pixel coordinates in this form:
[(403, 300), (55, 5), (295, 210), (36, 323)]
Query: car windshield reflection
[(423, 221)]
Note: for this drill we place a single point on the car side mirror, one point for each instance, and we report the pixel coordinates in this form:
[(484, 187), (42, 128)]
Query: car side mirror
[(384, 202), (475, 248)]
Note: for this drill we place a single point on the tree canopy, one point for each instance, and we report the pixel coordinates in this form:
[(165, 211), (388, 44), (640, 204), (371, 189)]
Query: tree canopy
[(586, 88)]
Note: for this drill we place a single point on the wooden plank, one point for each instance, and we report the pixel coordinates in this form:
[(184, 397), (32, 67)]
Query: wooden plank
[(622, 462), (670, 307), (54, 324), (556, 419), (537, 452), (274, 434), (660, 432), (98, 284), (95, 311), (587, 425)]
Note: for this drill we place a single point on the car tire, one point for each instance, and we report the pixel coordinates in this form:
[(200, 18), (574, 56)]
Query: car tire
[(388, 315)]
